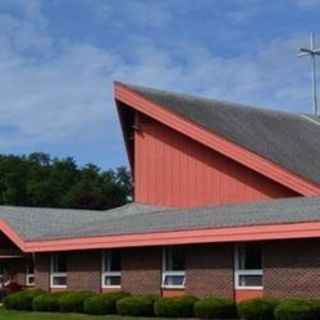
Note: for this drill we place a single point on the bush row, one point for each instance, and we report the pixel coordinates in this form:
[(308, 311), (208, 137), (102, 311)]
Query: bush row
[(271, 309), (123, 303)]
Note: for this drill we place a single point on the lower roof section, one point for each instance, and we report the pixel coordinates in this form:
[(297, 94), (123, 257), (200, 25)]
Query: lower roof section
[(37, 229)]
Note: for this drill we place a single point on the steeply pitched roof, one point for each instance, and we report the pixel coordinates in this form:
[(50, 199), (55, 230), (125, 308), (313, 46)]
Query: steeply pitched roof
[(47, 224), (289, 140)]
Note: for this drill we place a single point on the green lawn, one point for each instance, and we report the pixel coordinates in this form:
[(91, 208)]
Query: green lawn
[(23, 315)]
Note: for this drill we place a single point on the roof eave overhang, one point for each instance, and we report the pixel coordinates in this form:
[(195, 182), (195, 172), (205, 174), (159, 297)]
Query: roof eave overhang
[(229, 149), (283, 231), (198, 236), (12, 235)]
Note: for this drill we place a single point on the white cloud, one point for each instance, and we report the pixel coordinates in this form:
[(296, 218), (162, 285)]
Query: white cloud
[(136, 12), (307, 4), (59, 91)]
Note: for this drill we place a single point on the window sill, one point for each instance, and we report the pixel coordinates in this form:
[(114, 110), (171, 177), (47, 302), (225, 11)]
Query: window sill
[(248, 288), (173, 287), (111, 287)]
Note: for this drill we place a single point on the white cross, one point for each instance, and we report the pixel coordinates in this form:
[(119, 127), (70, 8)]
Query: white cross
[(312, 52)]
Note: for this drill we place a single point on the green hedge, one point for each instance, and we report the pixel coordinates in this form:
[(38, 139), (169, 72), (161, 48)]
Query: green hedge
[(95, 305), (73, 301), (298, 309), (47, 302), (21, 300), (316, 309), (175, 307), (215, 308), (104, 303), (136, 306), (257, 309)]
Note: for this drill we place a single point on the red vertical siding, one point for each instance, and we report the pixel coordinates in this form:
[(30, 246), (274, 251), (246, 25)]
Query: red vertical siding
[(174, 170)]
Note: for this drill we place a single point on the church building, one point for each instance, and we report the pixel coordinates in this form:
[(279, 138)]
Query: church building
[(226, 202)]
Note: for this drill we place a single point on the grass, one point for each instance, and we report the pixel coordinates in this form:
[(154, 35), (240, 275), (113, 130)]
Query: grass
[(24, 315)]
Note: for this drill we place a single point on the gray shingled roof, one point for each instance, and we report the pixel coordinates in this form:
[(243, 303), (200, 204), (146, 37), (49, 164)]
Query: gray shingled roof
[(35, 223), (289, 140), (40, 224)]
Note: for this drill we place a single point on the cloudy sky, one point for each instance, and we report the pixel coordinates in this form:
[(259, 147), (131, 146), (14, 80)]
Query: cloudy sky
[(58, 59)]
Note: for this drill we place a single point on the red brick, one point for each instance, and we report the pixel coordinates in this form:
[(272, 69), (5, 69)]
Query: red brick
[(209, 270), (84, 270), (42, 271), (292, 268), (141, 270)]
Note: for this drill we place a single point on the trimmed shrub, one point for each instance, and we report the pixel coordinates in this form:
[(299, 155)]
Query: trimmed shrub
[(296, 309), (73, 301), (104, 303), (95, 305), (316, 309), (139, 305), (175, 307), (216, 308), (257, 309), (47, 302), (21, 300)]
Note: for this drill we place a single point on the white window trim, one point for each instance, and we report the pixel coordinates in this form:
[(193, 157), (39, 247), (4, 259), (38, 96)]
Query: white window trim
[(28, 282), (29, 276), (105, 274), (2, 285), (238, 272), (56, 274), (166, 273)]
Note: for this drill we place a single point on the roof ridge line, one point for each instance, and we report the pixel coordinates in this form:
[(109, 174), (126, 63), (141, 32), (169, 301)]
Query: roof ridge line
[(234, 104), (310, 119)]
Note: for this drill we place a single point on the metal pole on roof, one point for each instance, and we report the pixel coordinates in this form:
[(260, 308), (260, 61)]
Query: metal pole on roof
[(312, 52)]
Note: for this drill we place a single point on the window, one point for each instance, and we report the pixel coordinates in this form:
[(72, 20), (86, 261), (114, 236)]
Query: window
[(58, 277), (4, 277), (30, 271), (111, 269), (248, 266), (173, 269)]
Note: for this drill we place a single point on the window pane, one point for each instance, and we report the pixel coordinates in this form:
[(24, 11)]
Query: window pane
[(250, 256), (106, 257), (30, 280), (115, 263), (112, 280), (173, 280), (2, 268), (112, 261), (30, 265), (175, 259), (60, 262), (59, 281), (250, 281)]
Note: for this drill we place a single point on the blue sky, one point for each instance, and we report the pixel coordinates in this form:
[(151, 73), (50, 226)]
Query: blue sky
[(58, 59)]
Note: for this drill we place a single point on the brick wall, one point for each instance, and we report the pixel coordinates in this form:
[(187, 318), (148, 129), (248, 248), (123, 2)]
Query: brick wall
[(84, 270), (141, 270), (20, 269), (42, 270), (209, 270), (292, 268)]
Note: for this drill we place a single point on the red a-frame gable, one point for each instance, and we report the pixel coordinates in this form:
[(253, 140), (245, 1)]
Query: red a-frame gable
[(177, 164), (176, 171)]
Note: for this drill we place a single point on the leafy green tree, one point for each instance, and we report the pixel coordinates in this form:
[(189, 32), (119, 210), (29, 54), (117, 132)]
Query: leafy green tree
[(41, 181)]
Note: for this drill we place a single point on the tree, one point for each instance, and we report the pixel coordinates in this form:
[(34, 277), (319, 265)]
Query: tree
[(41, 181)]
